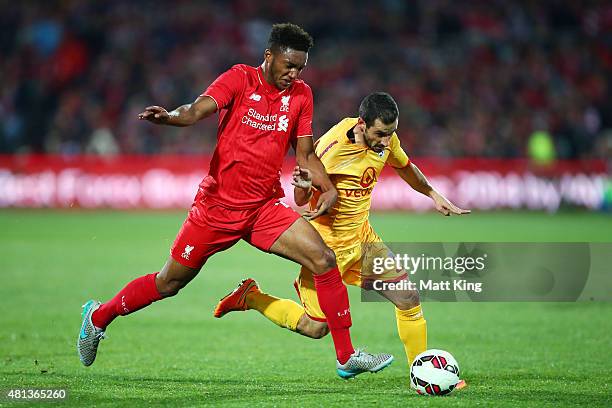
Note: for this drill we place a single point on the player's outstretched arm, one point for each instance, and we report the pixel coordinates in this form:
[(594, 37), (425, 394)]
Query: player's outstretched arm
[(307, 159), (184, 115), (417, 180)]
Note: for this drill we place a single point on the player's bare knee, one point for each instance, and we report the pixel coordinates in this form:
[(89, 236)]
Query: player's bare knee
[(408, 300), (330, 258), (324, 261)]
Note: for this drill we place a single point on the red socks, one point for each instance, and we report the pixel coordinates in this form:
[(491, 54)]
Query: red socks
[(334, 302), (331, 292), (139, 293)]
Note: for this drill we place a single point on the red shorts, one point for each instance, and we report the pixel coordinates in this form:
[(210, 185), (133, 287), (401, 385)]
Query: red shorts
[(211, 228)]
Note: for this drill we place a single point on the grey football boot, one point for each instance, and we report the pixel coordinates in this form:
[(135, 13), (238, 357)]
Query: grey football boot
[(361, 362), (89, 335)]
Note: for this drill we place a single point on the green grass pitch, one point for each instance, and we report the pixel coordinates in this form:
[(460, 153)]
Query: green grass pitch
[(175, 353)]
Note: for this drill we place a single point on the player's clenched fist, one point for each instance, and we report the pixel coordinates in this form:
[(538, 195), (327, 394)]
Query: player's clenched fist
[(155, 114)]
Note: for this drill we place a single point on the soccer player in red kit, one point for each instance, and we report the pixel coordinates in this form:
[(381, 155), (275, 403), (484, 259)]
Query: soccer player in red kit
[(262, 111)]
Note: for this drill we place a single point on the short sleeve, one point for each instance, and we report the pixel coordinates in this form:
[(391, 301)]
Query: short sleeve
[(227, 86), (304, 126), (397, 156)]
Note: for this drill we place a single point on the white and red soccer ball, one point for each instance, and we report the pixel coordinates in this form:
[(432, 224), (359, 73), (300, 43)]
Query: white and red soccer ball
[(434, 372)]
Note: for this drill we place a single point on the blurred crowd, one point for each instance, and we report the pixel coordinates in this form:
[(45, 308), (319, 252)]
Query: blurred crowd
[(471, 79)]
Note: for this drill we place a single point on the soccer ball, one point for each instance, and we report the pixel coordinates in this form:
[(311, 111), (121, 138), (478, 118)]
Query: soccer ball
[(434, 372)]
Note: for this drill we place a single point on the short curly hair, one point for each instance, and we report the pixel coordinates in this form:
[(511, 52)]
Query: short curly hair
[(287, 35)]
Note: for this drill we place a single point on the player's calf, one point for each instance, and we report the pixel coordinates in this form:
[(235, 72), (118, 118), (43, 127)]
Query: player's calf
[(169, 287), (311, 328), (402, 299), (411, 325), (407, 300)]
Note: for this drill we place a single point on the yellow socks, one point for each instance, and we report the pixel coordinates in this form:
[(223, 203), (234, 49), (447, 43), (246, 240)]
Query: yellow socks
[(411, 325), (282, 312), (412, 329)]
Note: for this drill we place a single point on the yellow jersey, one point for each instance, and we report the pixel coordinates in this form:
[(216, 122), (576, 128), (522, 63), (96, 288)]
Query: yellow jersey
[(354, 171)]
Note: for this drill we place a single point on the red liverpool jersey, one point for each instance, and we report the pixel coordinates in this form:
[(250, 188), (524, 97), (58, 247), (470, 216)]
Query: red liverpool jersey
[(257, 124)]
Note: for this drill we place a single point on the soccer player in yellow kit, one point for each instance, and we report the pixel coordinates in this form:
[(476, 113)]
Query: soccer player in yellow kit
[(354, 153)]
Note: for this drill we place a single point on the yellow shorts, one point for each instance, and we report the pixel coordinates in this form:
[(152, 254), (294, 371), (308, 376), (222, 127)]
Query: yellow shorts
[(355, 265)]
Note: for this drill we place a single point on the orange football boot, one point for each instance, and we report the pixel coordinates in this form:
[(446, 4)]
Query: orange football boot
[(236, 300)]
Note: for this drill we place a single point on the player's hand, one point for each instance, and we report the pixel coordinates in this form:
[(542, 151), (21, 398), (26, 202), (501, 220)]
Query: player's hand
[(302, 178), (155, 114), (325, 202), (445, 207)]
